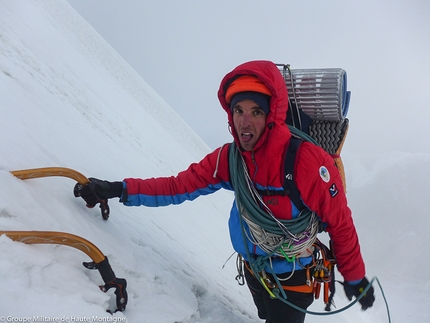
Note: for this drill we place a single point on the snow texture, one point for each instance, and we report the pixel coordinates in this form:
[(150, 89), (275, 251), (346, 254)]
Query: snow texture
[(68, 99)]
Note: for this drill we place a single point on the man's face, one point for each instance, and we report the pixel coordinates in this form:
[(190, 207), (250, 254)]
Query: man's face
[(249, 121)]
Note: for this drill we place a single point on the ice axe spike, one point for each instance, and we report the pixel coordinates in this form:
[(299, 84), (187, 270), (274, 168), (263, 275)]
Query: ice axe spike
[(64, 172)]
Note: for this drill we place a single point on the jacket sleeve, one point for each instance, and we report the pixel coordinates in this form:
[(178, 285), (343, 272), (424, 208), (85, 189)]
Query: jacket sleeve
[(205, 177), (321, 187)]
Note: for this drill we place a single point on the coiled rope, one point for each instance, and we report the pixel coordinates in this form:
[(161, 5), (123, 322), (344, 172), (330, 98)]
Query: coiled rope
[(285, 238)]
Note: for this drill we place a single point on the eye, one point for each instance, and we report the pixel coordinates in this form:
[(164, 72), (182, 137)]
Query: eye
[(237, 110), (258, 112)]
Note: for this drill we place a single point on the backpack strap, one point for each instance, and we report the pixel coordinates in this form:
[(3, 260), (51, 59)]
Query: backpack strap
[(290, 186)]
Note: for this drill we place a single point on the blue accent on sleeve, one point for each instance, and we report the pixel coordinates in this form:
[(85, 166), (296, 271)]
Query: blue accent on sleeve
[(164, 200), (355, 282)]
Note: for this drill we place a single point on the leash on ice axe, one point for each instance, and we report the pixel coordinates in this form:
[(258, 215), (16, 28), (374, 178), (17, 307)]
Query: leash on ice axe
[(99, 262), (70, 173)]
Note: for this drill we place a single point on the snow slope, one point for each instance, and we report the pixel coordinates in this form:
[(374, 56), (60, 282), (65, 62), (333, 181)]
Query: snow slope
[(68, 99)]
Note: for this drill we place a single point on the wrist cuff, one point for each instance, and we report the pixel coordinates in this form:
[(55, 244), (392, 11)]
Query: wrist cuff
[(116, 189)]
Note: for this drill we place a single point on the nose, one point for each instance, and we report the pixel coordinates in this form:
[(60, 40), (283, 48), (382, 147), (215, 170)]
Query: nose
[(245, 120)]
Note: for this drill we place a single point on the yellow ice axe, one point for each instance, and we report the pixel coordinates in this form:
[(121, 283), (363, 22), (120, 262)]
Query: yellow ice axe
[(99, 262), (64, 172)]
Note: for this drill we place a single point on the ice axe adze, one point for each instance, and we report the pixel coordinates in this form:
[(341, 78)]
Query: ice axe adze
[(99, 262), (65, 172)]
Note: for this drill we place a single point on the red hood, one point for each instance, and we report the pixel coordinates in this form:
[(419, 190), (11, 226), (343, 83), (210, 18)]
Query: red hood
[(268, 73)]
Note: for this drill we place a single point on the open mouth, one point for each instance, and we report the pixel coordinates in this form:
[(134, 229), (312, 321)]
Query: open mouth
[(246, 136)]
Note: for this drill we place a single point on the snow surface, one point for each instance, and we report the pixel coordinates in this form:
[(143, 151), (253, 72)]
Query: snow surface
[(68, 99)]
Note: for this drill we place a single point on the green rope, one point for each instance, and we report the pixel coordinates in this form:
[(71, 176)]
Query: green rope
[(254, 211)]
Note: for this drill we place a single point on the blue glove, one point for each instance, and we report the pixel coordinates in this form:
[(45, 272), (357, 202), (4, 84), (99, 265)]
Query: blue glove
[(357, 289)]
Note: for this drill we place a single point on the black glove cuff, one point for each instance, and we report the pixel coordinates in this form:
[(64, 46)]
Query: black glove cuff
[(106, 271), (116, 189), (124, 196)]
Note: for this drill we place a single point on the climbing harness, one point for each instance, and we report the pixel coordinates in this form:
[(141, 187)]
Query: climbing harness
[(268, 284), (320, 272)]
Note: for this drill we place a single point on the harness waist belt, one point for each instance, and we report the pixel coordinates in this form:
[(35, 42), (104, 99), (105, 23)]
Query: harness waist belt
[(307, 288)]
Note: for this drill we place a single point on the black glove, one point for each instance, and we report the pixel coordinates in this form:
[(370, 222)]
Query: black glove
[(111, 281), (97, 190), (355, 290)]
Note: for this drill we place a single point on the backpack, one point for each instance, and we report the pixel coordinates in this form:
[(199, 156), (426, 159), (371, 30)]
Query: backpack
[(317, 108), (316, 113), (318, 105)]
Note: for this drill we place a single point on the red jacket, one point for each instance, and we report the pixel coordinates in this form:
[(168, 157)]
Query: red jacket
[(317, 177)]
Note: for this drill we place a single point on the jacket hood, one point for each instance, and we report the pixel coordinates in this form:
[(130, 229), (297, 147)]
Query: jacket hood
[(268, 73)]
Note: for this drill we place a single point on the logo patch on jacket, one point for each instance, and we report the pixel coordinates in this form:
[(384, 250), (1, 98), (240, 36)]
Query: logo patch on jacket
[(272, 201), (333, 190), (325, 175)]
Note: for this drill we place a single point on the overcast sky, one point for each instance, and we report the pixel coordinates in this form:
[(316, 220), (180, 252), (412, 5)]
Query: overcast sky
[(66, 100), (182, 49)]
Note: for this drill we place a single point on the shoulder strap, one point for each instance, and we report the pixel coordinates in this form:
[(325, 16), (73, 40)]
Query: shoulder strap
[(289, 185)]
